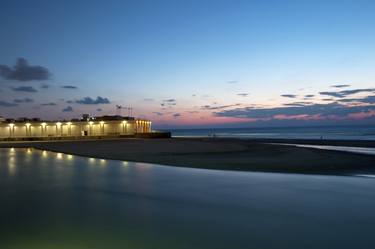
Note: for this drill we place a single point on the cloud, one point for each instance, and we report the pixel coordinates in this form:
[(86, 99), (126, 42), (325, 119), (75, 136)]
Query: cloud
[(243, 94), (298, 104), (24, 100), (168, 102), (158, 113), (176, 115), (67, 109), (22, 71), (90, 101), (45, 86), (292, 96), (7, 104), (148, 99), (369, 100), (365, 100), (350, 92), (344, 93), (321, 110), (28, 89), (309, 96), (332, 94), (348, 100), (99, 109), (232, 81), (340, 86), (69, 87), (48, 104), (209, 107)]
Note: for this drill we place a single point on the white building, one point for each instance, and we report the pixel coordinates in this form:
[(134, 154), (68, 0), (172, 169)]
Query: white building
[(99, 126)]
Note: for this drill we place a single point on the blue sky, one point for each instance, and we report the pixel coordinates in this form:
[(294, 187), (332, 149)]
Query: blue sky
[(212, 58)]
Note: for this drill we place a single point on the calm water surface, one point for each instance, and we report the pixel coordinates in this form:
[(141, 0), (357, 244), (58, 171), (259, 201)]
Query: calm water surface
[(325, 132), (52, 200)]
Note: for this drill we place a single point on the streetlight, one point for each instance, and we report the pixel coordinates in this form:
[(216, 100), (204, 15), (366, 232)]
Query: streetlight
[(11, 129), (58, 125), (43, 127), (124, 126), (91, 123), (69, 127), (102, 126), (27, 128)]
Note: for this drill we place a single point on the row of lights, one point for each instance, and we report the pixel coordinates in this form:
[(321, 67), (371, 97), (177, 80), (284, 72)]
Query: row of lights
[(70, 123), (59, 124), (143, 121)]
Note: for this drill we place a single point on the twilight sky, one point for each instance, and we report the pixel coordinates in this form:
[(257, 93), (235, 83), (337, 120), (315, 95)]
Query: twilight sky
[(219, 63)]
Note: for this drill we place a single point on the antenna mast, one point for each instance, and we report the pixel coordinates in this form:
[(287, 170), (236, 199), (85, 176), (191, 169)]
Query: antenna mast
[(118, 110)]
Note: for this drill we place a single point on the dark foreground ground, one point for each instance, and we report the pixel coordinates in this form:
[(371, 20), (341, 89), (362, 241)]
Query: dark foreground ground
[(226, 154)]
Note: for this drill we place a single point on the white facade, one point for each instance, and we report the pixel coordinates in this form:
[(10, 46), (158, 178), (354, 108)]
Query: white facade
[(73, 129)]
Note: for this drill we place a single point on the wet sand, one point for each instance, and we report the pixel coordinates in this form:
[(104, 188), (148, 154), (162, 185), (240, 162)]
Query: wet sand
[(223, 154)]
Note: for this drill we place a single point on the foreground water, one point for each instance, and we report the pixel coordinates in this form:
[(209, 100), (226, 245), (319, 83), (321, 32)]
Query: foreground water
[(53, 200)]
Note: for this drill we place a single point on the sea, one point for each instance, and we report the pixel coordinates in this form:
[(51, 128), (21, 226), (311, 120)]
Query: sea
[(318, 132)]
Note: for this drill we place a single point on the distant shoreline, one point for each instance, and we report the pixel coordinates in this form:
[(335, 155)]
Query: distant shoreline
[(261, 155)]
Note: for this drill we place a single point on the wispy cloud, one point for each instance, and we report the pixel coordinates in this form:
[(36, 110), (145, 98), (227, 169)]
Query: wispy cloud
[(68, 109), (365, 100), (210, 107), (69, 87), (350, 92), (232, 81), (292, 96), (7, 104), (176, 115), (340, 86), (243, 94), (302, 103), (24, 100), (22, 71), (45, 86), (28, 89), (48, 104), (344, 93), (169, 102)]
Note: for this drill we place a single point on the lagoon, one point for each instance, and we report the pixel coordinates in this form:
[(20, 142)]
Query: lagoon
[(55, 200)]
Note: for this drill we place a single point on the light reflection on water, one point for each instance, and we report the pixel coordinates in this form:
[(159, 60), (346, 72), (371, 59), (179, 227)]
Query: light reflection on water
[(56, 200), (357, 150)]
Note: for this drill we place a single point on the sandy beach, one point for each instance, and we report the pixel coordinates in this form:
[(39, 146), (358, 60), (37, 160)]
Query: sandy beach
[(224, 154)]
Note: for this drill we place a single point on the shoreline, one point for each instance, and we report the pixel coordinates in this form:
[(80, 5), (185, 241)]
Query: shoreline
[(332, 142), (257, 155)]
